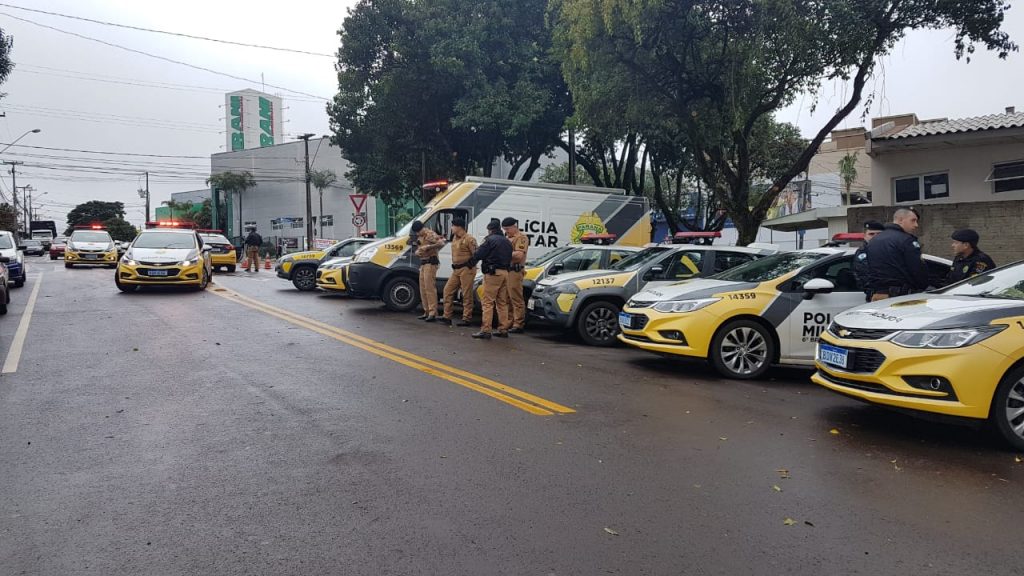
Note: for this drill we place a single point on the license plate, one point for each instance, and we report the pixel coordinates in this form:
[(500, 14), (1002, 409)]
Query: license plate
[(529, 304), (833, 355), (157, 273), (91, 256), (625, 320)]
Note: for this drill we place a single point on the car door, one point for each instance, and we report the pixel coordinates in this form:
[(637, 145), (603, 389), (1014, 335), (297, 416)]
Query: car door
[(798, 334), (581, 260), (677, 266)]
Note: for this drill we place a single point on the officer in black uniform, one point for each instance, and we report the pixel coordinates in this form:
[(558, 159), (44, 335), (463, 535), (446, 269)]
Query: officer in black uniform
[(968, 260), (861, 270), (894, 259), (495, 256)]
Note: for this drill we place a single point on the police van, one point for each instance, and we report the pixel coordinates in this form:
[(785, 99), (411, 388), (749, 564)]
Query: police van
[(551, 215)]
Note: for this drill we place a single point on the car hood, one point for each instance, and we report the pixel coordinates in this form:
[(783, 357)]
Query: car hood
[(336, 261), (306, 255), (91, 245), (575, 276), (161, 254), (9, 252), (694, 288), (934, 311)]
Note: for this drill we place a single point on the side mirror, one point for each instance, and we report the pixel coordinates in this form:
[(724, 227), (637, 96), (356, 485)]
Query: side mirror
[(4, 259), (21, 246), (207, 248), (817, 286), (654, 272), (555, 269)]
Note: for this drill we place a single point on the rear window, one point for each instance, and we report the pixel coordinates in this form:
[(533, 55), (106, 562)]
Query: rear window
[(215, 239)]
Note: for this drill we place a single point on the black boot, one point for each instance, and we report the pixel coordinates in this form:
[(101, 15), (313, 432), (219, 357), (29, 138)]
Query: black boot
[(482, 335)]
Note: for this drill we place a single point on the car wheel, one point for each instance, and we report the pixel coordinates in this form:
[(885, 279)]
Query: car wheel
[(19, 282), (742, 349), (5, 302), (204, 282), (68, 265), (401, 294), (231, 268), (1007, 412), (52, 257), (598, 323), (304, 278), (123, 287)]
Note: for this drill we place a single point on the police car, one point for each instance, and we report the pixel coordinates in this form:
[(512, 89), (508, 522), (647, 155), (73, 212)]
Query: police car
[(301, 267), (589, 301), (958, 351), (330, 275), (165, 253), (90, 245), (222, 251), (745, 319)]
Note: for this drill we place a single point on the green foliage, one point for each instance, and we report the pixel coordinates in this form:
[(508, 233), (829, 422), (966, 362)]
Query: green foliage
[(6, 65), (8, 218), (119, 229), (848, 174), (322, 179), (559, 174), (94, 212), (233, 182)]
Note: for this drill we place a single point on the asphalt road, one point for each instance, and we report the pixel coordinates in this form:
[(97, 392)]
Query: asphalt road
[(255, 430)]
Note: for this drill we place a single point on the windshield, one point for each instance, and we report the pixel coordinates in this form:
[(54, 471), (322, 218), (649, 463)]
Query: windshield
[(1005, 282), (639, 259), (90, 236), (173, 240), (770, 267), (215, 239), (5, 242), (32, 242), (548, 256)]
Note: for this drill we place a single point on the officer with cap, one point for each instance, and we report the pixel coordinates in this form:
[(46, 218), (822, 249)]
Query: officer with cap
[(428, 244), (861, 270), (968, 260), (894, 258), (495, 256), (463, 247), (520, 245)]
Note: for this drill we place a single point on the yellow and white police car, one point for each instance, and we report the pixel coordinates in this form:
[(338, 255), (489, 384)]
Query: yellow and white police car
[(301, 267), (222, 251), (589, 301), (958, 351), (165, 254), (745, 319), (90, 245), (330, 275)]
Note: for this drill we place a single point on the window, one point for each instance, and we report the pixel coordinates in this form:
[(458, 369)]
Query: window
[(441, 221), (349, 249), (251, 224), (1008, 177), (616, 255), (327, 220), (726, 260), (682, 265), (932, 186), (838, 272), (582, 260), (276, 224), (296, 222)]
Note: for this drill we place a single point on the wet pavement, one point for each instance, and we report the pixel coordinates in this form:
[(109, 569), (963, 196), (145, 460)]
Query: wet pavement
[(254, 429)]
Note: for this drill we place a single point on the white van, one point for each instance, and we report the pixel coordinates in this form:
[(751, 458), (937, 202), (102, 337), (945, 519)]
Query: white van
[(551, 215)]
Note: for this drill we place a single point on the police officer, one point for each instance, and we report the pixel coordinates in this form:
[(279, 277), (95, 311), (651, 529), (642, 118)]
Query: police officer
[(894, 258), (428, 244), (495, 255), (520, 245), (463, 247), (968, 260), (861, 270), (253, 241)]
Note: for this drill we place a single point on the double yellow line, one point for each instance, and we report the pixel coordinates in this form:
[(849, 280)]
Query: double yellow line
[(507, 394)]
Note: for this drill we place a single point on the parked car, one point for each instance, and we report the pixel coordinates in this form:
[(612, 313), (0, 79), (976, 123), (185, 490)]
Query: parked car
[(16, 258), (33, 247), (5, 291), (57, 247)]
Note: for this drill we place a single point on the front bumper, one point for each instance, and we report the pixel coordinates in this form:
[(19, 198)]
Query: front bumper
[(94, 258), (364, 279), (332, 280), (284, 269), (972, 373), (175, 275), (680, 334), (555, 308), (15, 271)]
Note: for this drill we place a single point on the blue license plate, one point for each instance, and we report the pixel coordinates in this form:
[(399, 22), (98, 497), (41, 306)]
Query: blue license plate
[(833, 355), (625, 320), (157, 273)]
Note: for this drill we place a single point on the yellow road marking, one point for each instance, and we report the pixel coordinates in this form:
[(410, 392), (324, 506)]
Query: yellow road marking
[(513, 396)]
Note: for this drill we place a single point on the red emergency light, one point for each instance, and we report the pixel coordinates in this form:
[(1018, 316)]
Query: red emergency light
[(91, 227), (170, 224), (848, 237), (701, 237), (368, 234), (207, 231), (600, 239)]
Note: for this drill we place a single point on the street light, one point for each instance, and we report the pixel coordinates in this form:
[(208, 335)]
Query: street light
[(309, 199), (32, 131)]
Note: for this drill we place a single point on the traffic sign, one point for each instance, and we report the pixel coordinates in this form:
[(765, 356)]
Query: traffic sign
[(359, 219), (358, 200)]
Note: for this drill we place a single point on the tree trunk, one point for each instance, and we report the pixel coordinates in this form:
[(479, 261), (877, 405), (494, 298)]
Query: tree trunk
[(534, 164), (659, 200), (747, 225), (516, 166)]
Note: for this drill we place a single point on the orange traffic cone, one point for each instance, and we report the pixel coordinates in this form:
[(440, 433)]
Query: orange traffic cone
[(266, 265), (245, 263)]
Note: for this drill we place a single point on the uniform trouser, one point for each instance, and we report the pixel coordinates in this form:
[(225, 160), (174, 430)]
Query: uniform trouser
[(879, 296), (516, 304), (461, 279), (253, 254), (428, 288), (495, 293)]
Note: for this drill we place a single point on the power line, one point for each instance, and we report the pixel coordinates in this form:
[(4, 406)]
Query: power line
[(181, 34), (179, 62)]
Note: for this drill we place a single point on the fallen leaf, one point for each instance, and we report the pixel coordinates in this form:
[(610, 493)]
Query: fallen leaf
[(783, 473), (776, 488), (809, 523), (723, 438), (610, 531), (834, 431), (789, 521), (1017, 459)]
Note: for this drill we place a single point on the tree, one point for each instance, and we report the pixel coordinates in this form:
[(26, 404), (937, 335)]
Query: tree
[(232, 183), (848, 174), (94, 212), (179, 209), (6, 44), (322, 179), (716, 70), (8, 218), (119, 229)]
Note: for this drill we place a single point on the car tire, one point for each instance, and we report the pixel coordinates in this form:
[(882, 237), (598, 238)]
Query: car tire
[(598, 323), (68, 265), (203, 282), (742, 350), (231, 268), (401, 294), (1006, 415), (123, 287), (19, 282), (52, 257), (304, 278)]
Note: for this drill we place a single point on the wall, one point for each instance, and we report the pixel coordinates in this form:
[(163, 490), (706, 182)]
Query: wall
[(968, 168), (998, 223)]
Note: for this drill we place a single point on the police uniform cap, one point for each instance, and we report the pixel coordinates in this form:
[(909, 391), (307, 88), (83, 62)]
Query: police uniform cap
[(417, 225), (874, 225), (460, 222), (494, 224), (509, 221), (966, 235)]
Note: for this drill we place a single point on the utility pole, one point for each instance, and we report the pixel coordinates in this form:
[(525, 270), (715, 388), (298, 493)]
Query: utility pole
[(147, 196), (14, 186), (27, 197), (309, 198)]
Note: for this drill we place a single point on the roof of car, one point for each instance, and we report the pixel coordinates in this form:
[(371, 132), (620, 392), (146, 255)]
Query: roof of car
[(702, 247)]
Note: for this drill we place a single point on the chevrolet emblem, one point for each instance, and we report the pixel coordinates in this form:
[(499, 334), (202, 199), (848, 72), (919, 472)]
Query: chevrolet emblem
[(844, 332)]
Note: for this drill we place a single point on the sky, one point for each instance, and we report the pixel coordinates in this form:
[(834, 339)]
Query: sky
[(148, 114)]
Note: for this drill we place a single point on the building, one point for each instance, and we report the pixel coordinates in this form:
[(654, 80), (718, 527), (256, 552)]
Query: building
[(252, 120), (958, 173), (277, 204)]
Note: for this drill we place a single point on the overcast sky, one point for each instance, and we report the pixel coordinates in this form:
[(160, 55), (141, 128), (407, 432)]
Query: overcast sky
[(84, 95)]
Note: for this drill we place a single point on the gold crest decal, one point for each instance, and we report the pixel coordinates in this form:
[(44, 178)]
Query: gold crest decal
[(589, 222), (908, 303)]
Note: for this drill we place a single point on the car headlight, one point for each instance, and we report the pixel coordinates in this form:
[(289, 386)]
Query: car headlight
[(366, 255), (128, 261), (954, 338), (681, 306), (566, 288)]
